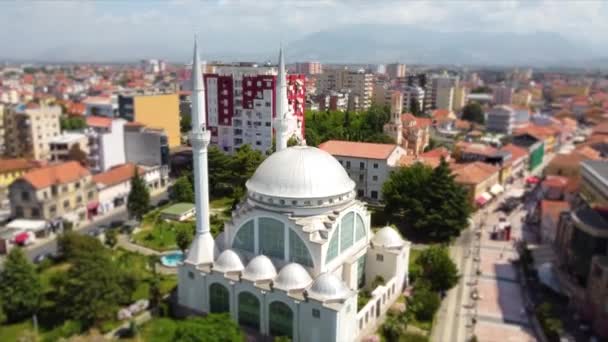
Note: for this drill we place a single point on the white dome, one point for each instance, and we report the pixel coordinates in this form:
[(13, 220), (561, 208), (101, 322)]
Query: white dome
[(300, 172), (260, 268), (387, 237), (328, 286), (292, 277), (228, 261)]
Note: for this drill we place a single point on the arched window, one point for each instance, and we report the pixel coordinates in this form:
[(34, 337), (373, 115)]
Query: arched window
[(359, 228), (334, 245), (298, 252), (219, 298), (244, 239), (272, 237), (280, 319), (249, 310), (347, 231)]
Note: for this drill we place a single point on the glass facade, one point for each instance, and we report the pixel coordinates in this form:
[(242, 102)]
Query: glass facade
[(297, 250), (249, 310), (359, 228), (245, 238), (280, 319), (219, 298), (334, 245), (272, 237), (347, 231)]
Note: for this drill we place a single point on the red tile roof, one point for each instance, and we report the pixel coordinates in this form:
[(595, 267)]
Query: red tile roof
[(437, 153), (99, 121), (12, 165), (555, 181), (516, 151), (553, 208), (118, 174), (55, 174), (473, 173), (358, 149)]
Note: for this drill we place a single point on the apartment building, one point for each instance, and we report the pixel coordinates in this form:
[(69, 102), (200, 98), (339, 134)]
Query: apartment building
[(10, 170), (440, 89), (106, 106), (56, 192), (309, 68), (242, 103), (29, 128), (367, 164), (62, 146), (501, 119), (413, 96), (395, 70), (444, 98), (459, 98), (361, 84), (154, 110), (146, 146), (503, 95), (106, 142)]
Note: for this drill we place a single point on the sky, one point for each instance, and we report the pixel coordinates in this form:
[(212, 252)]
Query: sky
[(115, 30)]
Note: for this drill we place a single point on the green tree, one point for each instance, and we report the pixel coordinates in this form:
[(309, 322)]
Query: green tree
[(138, 201), (438, 268), (481, 90), (183, 237), (182, 190), (423, 303), (474, 113), (243, 164), (394, 326), (293, 141), (72, 245), (68, 123), (214, 327), (185, 123), (20, 289), (111, 237), (220, 175)]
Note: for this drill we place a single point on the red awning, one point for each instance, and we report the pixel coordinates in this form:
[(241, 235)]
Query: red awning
[(92, 205), (532, 180), (22, 238), (481, 200)]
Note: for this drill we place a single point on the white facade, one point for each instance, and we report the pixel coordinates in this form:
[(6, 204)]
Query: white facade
[(410, 94), (101, 106), (444, 98), (106, 146), (501, 119)]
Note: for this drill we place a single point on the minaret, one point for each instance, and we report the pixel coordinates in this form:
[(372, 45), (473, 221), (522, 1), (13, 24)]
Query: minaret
[(282, 112), (203, 246)]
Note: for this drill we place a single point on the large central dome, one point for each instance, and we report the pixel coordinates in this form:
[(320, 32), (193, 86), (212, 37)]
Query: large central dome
[(300, 172)]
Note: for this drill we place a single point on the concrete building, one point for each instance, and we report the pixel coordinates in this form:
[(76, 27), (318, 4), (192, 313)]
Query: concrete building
[(61, 145), (413, 96), (395, 70), (382, 93), (309, 68), (302, 219), (242, 104), (459, 98), (3, 110), (146, 146), (359, 82), (368, 164), (106, 106), (503, 95), (29, 129), (10, 170), (416, 133), (501, 119), (478, 178), (444, 98), (56, 192), (106, 143), (154, 110), (336, 100), (438, 89), (594, 187)]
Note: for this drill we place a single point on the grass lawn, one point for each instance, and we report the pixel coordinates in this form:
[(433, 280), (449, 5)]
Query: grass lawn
[(158, 330), (161, 236), (221, 203), (12, 332)]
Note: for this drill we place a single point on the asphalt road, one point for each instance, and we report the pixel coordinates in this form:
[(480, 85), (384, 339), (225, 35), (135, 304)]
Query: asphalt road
[(51, 245)]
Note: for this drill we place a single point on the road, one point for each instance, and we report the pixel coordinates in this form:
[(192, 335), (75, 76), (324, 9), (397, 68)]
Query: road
[(120, 215)]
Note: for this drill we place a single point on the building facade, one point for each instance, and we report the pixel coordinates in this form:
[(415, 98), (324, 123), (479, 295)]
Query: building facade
[(106, 143), (62, 145), (395, 70), (360, 83), (501, 119), (309, 68), (29, 128), (146, 146), (503, 95)]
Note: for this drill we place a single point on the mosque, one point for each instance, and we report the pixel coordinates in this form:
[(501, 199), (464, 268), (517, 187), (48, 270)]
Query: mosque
[(297, 250)]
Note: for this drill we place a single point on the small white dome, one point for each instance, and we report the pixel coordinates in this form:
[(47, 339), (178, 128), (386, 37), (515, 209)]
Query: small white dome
[(228, 261), (301, 172), (292, 277), (260, 268), (327, 287), (387, 237)]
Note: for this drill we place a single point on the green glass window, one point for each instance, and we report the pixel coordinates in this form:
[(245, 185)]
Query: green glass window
[(359, 228), (298, 252), (272, 237), (280, 320), (219, 298), (249, 310), (361, 272), (347, 231), (334, 244), (244, 239)]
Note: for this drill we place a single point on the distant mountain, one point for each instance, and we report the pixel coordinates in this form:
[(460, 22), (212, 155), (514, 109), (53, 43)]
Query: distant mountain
[(386, 43)]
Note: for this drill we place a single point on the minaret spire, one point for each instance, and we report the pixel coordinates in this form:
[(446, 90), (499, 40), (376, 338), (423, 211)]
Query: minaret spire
[(282, 107), (202, 250)]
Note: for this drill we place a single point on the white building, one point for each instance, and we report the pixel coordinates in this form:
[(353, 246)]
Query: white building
[(297, 250), (61, 145), (413, 94), (368, 164), (501, 119), (106, 106), (106, 143)]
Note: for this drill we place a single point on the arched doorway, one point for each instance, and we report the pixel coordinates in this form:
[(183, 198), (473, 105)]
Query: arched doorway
[(280, 319), (219, 298), (249, 310)]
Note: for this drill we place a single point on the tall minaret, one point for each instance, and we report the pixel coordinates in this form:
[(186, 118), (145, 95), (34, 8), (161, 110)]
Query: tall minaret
[(282, 113), (203, 246)]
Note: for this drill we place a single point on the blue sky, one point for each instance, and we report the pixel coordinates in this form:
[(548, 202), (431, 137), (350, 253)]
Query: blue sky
[(125, 30)]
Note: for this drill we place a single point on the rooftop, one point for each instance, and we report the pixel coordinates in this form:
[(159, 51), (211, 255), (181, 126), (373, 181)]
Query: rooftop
[(516, 151), (99, 121), (67, 137), (178, 208), (358, 149), (118, 174), (11, 165), (55, 174), (473, 173)]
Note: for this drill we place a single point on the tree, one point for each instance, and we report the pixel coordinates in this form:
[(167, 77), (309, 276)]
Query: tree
[(72, 123), (75, 153), (438, 268), (185, 123), (111, 238), (394, 326), (293, 141), (415, 107), (423, 303), (481, 90), (20, 289), (474, 113), (183, 237), (182, 190), (138, 201), (214, 327), (220, 175), (72, 245)]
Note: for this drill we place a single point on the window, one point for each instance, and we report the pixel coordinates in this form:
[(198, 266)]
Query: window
[(272, 237), (375, 178), (77, 185), (361, 177), (90, 195), (374, 194), (362, 165), (280, 319), (64, 188), (219, 298), (359, 228), (25, 196), (348, 164), (360, 193), (249, 310), (53, 209), (35, 212), (244, 239), (361, 272), (375, 165), (316, 313), (334, 244), (379, 257), (79, 199), (298, 252), (347, 227), (190, 274), (66, 204), (19, 211)]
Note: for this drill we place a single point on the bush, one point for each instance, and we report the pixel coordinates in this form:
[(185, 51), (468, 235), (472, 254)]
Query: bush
[(67, 329), (423, 303), (549, 321)]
